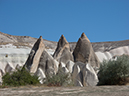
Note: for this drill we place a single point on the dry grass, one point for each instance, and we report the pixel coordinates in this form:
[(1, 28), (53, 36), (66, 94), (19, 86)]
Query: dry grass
[(66, 91)]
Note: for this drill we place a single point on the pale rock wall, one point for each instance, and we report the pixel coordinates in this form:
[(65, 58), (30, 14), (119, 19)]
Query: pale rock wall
[(13, 56), (114, 52)]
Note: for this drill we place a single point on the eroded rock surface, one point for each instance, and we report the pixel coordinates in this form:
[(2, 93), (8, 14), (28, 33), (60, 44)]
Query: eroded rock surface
[(40, 62), (84, 52), (35, 54), (62, 52), (84, 75)]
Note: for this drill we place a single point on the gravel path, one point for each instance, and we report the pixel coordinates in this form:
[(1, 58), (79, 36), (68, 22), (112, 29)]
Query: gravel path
[(66, 91)]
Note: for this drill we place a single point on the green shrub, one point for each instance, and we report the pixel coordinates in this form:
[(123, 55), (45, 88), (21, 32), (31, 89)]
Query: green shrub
[(113, 72), (60, 79), (19, 78)]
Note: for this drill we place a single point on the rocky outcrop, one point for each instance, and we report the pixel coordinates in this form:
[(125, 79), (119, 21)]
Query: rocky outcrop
[(84, 75), (62, 53), (35, 54), (40, 62), (77, 76), (40, 73), (84, 52), (14, 51), (48, 64)]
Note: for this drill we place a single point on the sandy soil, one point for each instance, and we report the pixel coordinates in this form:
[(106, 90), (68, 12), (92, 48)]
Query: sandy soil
[(66, 91)]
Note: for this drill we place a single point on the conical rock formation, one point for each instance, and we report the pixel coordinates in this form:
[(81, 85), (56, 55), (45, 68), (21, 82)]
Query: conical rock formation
[(84, 52), (35, 54), (62, 53), (40, 62)]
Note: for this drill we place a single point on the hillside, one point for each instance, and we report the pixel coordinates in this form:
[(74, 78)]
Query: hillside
[(23, 41), (29, 41), (14, 51)]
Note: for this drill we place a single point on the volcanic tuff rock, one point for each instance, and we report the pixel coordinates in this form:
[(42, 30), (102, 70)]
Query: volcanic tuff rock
[(1, 76), (23, 41), (62, 53), (48, 64), (15, 49), (84, 52), (35, 54), (84, 75), (69, 66), (8, 68), (40, 62)]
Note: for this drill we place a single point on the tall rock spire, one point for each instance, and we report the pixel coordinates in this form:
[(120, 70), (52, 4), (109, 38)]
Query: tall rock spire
[(35, 54), (62, 52), (84, 52), (62, 42), (39, 60), (84, 36)]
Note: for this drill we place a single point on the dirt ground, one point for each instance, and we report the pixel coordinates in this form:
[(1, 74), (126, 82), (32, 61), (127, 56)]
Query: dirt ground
[(66, 91)]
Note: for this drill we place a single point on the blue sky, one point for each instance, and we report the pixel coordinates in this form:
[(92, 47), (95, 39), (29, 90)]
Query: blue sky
[(100, 20)]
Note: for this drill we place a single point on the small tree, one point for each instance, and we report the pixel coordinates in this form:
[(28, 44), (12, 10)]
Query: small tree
[(19, 78), (114, 72)]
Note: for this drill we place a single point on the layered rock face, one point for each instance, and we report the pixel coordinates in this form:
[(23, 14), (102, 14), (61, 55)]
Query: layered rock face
[(62, 52), (107, 55), (11, 57), (84, 52)]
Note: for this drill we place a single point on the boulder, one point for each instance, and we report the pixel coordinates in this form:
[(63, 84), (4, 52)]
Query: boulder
[(34, 56), (62, 52), (84, 52)]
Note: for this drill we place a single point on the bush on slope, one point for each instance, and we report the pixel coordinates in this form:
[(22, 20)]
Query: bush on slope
[(114, 72)]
